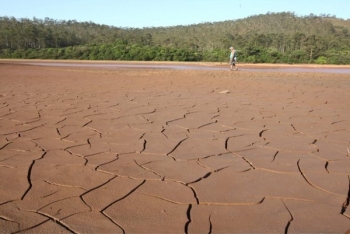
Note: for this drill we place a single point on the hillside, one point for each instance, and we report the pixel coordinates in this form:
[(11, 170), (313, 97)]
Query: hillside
[(273, 37), (286, 24)]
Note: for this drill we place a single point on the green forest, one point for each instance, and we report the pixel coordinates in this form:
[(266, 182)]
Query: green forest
[(268, 38)]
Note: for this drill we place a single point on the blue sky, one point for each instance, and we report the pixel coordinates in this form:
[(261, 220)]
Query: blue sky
[(164, 13)]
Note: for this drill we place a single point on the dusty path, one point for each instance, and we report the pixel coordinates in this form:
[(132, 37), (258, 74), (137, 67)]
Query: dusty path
[(155, 151)]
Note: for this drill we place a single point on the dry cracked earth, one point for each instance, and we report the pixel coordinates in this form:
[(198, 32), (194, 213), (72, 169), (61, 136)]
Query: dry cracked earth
[(86, 150)]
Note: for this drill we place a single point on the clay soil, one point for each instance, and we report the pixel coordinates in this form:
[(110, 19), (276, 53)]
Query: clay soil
[(87, 150)]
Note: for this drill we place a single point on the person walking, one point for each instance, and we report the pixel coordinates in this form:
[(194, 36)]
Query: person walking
[(233, 59)]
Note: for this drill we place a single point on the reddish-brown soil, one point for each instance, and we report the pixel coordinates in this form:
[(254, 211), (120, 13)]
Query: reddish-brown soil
[(173, 151)]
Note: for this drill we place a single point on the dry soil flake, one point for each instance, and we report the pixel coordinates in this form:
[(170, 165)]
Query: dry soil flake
[(224, 92)]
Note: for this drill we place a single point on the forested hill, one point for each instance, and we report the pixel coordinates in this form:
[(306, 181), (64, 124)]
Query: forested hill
[(273, 38)]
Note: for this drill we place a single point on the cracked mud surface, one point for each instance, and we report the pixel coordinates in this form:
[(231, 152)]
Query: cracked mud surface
[(156, 151)]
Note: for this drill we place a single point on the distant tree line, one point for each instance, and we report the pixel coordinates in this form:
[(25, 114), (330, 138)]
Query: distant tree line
[(270, 38)]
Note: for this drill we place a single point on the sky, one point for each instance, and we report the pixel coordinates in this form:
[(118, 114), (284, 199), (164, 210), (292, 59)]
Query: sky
[(165, 13)]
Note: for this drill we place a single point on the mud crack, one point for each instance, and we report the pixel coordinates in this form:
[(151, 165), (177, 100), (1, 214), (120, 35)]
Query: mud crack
[(311, 184), (210, 225), (291, 218), (112, 203), (29, 175), (346, 203), (188, 217), (53, 219)]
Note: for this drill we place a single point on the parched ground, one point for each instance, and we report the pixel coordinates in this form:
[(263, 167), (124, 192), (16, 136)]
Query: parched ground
[(171, 151)]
